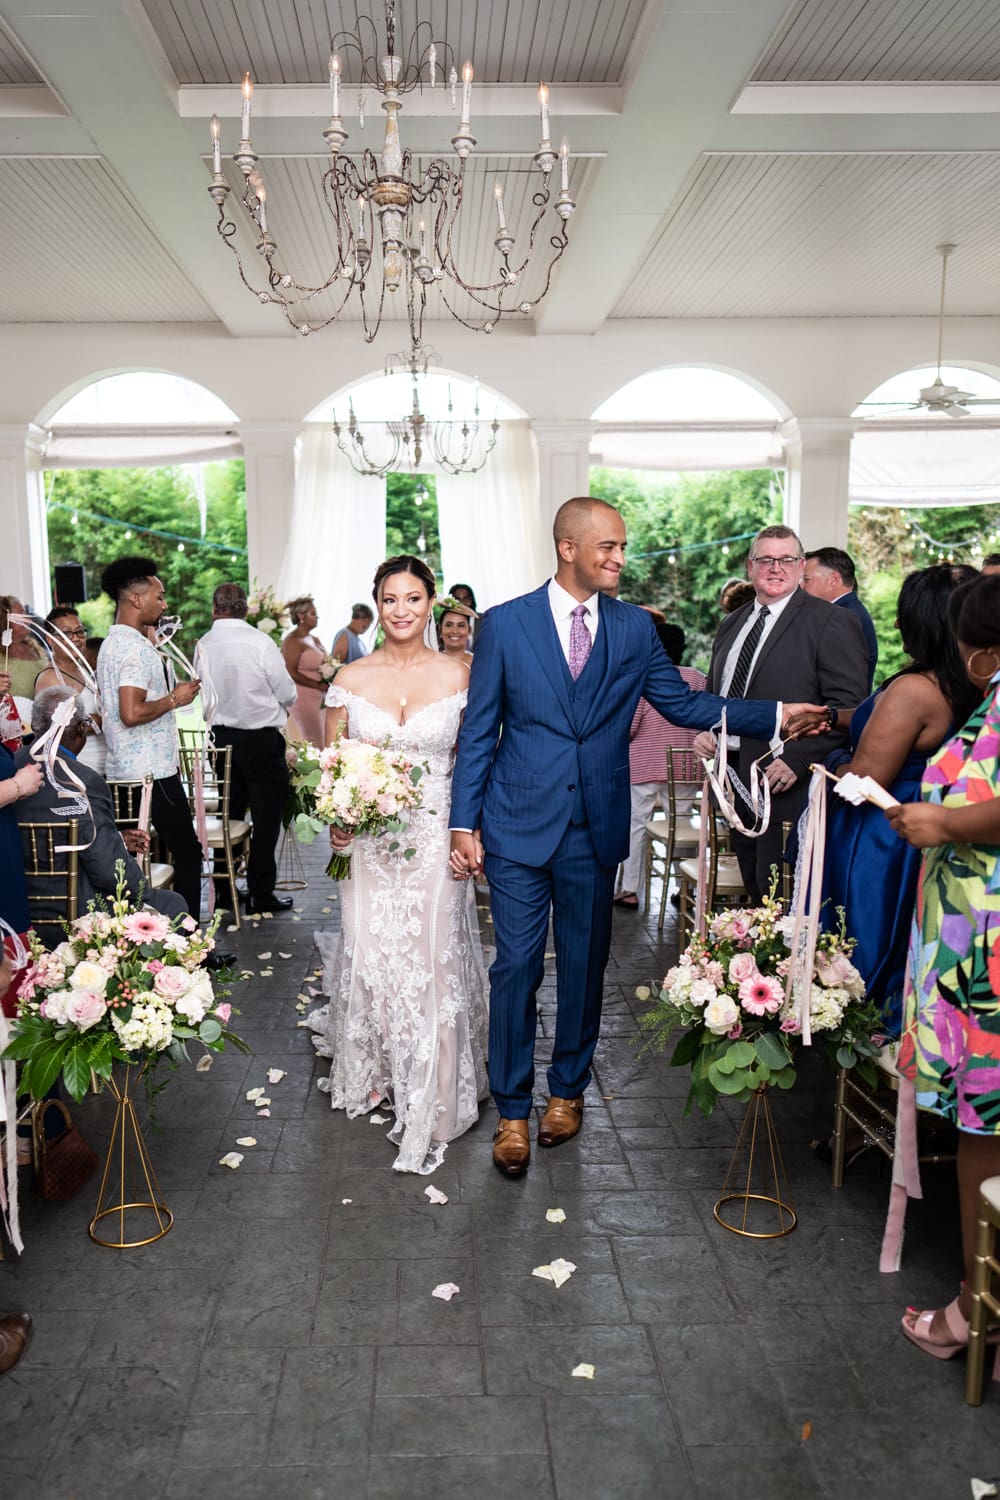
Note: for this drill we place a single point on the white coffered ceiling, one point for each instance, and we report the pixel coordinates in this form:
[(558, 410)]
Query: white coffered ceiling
[(733, 158)]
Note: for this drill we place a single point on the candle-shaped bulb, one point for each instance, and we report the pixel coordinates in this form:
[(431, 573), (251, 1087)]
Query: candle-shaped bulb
[(453, 85), (261, 192), (564, 164), (543, 103), (361, 218), (466, 92), (247, 96), (216, 146), (432, 58), (498, 194), (334, 83), (423, 240)]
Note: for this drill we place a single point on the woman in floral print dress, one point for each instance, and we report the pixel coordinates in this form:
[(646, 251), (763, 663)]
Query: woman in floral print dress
[(950, 1047)]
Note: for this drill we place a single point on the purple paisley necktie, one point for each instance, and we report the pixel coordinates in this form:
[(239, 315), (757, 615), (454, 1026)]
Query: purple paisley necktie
[(579, 641)]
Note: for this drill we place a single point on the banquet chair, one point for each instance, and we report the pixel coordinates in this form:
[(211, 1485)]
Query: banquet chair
[(59, 873), (985, 1292), (676, 832), (227, 836), (856, 1104), (125, 799), (724, 885)]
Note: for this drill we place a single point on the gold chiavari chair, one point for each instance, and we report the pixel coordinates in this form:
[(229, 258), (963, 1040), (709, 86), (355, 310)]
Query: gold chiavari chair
[(225, 834), (125, 799), (724, 883), (985, 1292), (675, 833), (53, 880)]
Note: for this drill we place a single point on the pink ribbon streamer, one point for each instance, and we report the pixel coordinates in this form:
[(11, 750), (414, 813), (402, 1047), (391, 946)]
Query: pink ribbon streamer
[(758, 797), (201, 824), (807, 902), (8, 1109), (905, 1176)]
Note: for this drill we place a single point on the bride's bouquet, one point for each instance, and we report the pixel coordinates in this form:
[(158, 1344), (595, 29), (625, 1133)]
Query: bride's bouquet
[(356, 786)]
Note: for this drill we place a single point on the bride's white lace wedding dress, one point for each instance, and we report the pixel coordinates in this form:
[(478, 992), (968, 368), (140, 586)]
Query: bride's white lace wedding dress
[(406, 1021)]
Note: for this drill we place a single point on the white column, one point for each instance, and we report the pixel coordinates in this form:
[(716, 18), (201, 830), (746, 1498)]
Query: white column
[(818, 460), (563, 462), (269, 455), (25, 546)]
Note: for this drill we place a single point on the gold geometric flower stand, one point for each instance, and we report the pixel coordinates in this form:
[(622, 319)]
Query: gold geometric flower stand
[(755, 1199), (128, 1175), (291, 871)]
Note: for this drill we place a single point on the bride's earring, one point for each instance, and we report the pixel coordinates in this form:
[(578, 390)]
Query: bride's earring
[(978, 676)]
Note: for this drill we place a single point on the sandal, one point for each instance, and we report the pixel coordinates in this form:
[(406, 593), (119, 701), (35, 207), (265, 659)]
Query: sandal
[(628, 899), (919, 1333)]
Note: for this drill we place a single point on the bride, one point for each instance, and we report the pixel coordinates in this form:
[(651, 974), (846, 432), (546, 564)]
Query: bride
[(406, 1021)]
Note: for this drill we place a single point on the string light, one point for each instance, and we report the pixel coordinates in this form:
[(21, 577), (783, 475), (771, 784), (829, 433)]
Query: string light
[(170, 536)]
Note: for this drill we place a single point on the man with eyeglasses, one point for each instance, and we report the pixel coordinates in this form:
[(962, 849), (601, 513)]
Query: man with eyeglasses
[(784, 644)]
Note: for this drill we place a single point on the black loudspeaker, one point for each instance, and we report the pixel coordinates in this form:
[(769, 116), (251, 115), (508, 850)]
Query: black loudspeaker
[(71, 584)]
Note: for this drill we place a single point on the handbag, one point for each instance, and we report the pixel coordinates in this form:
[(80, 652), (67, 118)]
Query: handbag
[(64, 1162)]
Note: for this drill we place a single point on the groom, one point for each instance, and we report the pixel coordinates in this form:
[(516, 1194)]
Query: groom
[(542, 784)]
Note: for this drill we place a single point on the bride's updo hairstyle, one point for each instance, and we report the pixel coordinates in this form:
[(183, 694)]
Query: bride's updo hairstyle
[(403, 564)]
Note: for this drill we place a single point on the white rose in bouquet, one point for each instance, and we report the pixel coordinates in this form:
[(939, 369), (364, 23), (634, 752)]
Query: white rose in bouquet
[(268, 625), (89, 976), (721, 1014)]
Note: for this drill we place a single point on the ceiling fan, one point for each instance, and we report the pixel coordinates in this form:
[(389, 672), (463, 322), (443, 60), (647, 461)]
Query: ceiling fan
[(939, 397)]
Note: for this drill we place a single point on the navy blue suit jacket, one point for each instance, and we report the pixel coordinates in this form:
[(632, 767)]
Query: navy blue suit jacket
[(533, 742), (852, 603)]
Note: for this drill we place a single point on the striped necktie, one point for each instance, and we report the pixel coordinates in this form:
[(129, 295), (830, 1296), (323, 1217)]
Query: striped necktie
[(738, 686)]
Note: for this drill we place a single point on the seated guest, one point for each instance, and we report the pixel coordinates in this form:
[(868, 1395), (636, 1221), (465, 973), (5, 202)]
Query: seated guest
[(991, 563), (455, 632), (948, 1050), (651, 739), (347, 643), (106, 845), (829, 574), (892, 735), (65, 671), (25, 657)]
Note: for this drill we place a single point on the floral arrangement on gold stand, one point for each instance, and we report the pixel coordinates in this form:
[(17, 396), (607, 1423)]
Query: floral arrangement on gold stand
[(120, 998), (727, 994)]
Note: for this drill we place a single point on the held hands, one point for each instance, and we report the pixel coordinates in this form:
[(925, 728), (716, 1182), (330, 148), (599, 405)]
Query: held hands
[(340, 838), (135, 841), (466, 855), (780, 775), (919, 823), (804, 718)]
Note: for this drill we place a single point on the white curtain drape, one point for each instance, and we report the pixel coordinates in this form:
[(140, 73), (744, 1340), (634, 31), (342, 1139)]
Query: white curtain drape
[(338, 531), (493, 535), (948, 465)]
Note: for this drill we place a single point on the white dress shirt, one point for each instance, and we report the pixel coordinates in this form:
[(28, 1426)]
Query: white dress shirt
[(247, 685), (562, 606), (774, 608)]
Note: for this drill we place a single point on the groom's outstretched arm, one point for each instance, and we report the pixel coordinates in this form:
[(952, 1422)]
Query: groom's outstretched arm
[(671, 696), (477, 738)]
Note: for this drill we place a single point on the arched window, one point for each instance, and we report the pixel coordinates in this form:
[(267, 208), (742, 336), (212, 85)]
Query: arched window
[(137, 419), (688, 417)]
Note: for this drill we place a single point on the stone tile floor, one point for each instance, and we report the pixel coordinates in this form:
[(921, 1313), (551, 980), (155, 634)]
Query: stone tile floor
[(280, 1343)]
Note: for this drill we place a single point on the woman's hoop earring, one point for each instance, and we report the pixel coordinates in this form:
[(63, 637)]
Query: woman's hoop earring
[(977, 676)]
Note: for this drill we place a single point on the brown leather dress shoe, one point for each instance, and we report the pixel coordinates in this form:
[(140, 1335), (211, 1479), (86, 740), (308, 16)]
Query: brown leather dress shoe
[(511, 1147), (561, 1121), (15, 1336)]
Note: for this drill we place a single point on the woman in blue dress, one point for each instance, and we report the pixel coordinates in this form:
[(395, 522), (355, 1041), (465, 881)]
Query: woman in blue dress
[(871, 872)]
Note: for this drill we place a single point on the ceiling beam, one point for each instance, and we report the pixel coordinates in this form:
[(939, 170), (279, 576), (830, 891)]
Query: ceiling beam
[(133, 124), (289, 101), (834, 98), (686, 69)]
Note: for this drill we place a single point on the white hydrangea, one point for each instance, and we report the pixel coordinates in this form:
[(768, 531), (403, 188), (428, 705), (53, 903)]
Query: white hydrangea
[(148, 1029), (826, 1006)]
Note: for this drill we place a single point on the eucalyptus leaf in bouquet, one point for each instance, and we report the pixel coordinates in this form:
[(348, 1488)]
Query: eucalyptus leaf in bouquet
[(726, 994), (355, 786)]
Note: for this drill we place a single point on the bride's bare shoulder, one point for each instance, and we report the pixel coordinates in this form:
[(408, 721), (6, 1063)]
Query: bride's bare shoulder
[(453, 675), (353, 676)]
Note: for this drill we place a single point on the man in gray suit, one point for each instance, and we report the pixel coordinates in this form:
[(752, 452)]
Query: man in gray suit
[(97, 872), (785, 644)]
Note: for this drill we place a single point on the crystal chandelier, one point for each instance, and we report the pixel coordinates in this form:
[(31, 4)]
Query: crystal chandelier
[(459, 446), (393, 227)]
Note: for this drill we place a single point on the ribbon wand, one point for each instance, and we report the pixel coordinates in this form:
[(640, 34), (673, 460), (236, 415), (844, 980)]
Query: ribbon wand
[(6, 640)]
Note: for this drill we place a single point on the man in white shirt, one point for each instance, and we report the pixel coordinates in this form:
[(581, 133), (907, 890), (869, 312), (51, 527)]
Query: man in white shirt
[(248, 693)]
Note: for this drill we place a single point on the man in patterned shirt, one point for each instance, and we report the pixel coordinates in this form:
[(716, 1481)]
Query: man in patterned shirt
[(138, 714)]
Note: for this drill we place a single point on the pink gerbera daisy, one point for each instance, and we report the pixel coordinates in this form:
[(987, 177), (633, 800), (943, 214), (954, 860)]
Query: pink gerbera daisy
[(761, 995), (146, 927)]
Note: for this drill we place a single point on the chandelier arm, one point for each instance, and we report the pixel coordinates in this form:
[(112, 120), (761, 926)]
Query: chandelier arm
[(354, 41)]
